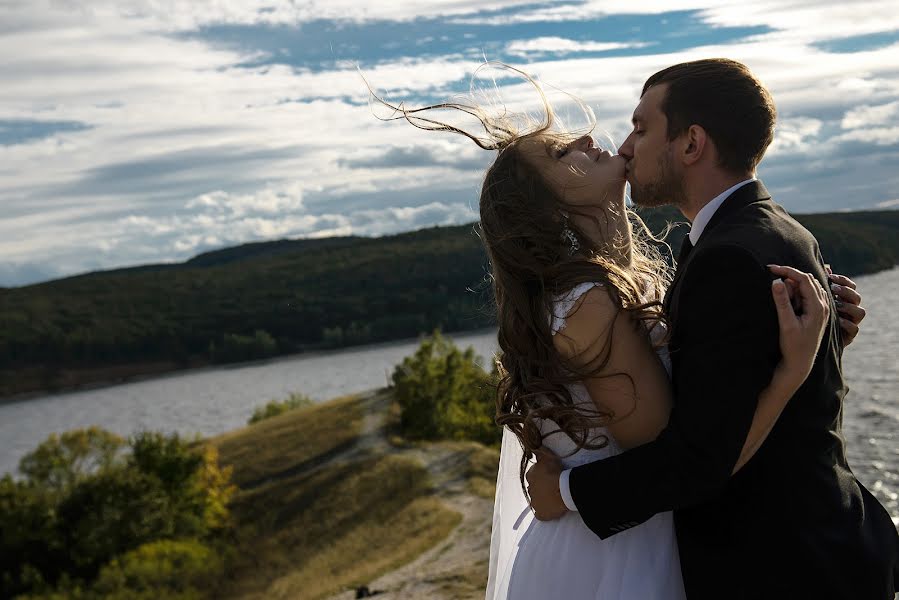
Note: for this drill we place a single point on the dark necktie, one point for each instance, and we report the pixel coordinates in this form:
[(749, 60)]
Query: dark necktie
[(685, 249)]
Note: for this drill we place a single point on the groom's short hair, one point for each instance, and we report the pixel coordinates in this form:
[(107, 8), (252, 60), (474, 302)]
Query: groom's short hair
[(724, 98)]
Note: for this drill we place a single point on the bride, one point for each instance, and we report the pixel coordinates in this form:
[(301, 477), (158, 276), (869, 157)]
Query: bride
[(583, 366)]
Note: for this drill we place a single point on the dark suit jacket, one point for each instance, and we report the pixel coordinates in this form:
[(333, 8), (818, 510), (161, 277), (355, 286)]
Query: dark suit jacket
[(794, 522)]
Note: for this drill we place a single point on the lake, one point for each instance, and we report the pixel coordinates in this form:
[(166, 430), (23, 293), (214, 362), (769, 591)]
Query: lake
[(216, 399)]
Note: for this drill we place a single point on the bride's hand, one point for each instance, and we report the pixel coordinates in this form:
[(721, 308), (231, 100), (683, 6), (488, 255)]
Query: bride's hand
[(800, 330)]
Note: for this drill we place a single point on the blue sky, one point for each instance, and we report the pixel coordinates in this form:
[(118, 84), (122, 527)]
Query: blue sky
[(141, 131)]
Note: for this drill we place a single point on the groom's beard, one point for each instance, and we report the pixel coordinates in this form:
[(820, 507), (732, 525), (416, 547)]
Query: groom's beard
[(668, 188)]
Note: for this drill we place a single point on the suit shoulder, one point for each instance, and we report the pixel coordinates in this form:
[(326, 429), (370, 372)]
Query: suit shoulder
[(767, 232)]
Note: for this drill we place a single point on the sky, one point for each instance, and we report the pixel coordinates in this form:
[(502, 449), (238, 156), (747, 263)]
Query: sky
[(148, 131)]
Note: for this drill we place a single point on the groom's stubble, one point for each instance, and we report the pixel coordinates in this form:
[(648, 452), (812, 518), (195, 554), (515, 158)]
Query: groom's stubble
[(668, 187)]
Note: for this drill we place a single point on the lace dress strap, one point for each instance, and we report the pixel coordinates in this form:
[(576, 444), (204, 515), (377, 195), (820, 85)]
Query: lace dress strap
[(564, 304)]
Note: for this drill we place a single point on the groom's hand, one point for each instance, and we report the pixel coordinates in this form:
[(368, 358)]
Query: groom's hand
[(849, 307), (543, 486)]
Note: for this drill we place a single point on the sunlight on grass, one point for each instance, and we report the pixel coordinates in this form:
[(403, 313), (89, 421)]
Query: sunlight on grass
[(316, 534), (288, 441), (309, 523)]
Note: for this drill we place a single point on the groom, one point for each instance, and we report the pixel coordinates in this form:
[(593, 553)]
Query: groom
[(794, 522)]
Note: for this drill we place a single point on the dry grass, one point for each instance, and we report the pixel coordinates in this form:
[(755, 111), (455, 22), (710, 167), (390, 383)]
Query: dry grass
[(291, 442), (482, 461), (308, 523)]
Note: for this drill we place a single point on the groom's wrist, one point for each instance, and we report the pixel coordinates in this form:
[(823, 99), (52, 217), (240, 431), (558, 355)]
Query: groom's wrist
[(565, 490)]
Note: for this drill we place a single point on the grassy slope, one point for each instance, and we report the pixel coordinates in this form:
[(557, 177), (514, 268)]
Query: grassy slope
[(319, 510)]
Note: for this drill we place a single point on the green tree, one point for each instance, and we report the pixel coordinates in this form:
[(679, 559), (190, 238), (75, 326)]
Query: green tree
[(443, 393), (71, 516), (63, 460), (113, 512), (30, 545)]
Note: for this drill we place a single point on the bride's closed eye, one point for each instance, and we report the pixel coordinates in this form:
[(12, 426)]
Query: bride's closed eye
[(559, 150)]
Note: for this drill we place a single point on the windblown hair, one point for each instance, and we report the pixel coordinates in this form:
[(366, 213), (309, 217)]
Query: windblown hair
[(531, 266)]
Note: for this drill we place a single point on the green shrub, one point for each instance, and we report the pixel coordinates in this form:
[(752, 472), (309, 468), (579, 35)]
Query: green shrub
[(111, 513), (277, 407), (68, 518), (30, 546), (63, 460), (443, 393), (171, 569)]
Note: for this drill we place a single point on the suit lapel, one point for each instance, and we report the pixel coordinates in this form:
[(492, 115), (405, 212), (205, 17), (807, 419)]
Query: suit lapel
[(754, 191)]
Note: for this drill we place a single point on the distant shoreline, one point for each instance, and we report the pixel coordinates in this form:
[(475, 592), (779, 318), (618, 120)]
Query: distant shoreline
[(123, 374), (79, 380)]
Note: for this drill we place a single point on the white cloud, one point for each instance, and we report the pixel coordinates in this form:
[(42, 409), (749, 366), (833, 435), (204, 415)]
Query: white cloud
[(557, 45), (182, 236), (178, 15), (794, 135), (871, 116), (268, 202), (881, 136), (185, 150)]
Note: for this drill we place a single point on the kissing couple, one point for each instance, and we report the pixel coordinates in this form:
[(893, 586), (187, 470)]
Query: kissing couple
[(686, 426)]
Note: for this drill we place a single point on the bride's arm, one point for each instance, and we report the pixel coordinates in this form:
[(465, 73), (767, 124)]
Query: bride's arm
[(627, 379), (633, 386), (800, 336)]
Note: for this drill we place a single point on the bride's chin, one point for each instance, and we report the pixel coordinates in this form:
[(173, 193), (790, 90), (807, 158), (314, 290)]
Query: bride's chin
[(615, 193)]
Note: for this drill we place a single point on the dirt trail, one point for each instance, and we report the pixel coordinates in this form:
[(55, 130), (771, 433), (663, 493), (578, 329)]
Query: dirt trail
[(456, 568)]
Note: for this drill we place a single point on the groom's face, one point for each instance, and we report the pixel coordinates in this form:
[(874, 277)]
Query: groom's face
[(651, 171)]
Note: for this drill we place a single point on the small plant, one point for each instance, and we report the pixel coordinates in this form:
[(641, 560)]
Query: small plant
[(277, 407)]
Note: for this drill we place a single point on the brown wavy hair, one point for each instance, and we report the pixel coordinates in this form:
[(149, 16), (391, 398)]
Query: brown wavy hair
[(531, 266)]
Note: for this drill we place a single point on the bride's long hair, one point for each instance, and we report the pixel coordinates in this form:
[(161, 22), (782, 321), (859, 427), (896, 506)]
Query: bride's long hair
[(531, 265)]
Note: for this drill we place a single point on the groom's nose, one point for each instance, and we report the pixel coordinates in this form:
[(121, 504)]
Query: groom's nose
[(626, 149)]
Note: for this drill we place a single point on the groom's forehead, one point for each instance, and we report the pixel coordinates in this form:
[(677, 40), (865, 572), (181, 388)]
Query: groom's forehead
[(650, 103)]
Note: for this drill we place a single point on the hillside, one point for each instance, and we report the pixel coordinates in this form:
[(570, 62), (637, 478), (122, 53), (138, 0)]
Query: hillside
[(330, 501), (272, 298)]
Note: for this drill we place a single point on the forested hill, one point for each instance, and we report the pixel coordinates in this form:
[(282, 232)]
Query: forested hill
[(270, 298)]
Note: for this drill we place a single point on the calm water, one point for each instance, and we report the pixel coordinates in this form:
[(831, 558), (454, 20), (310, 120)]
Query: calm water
[(214, 400)]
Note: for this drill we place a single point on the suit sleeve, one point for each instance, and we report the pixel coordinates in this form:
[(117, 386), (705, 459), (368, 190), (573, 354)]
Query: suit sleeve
[(727, 348)]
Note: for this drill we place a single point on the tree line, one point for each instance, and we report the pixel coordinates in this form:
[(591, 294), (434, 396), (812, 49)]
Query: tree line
[(273, 298)]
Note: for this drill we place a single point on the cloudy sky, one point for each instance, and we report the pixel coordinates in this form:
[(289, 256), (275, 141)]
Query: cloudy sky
[(136, 131)]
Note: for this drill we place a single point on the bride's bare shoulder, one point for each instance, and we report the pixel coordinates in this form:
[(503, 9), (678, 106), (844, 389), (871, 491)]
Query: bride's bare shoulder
[(588, 324)]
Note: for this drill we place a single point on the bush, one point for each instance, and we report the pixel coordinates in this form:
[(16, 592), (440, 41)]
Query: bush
[(111, 513), (276, 407), (171, 569), (30, 546), (63, 460), (69, 517), (443, 393)]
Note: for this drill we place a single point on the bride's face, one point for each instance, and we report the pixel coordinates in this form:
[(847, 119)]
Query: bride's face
[(581, 173)]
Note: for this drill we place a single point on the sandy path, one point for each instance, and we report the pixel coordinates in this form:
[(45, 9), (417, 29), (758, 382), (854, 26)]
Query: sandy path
[(456, 568)]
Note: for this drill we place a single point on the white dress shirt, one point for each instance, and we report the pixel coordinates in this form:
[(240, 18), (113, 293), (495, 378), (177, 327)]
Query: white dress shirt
[(706, 212), (699, 224)]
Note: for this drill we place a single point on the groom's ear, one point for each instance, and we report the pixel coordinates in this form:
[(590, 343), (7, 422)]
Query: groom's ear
[(695, 145)]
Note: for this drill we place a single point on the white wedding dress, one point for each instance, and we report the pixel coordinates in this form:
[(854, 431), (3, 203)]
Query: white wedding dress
[(563, 559)]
